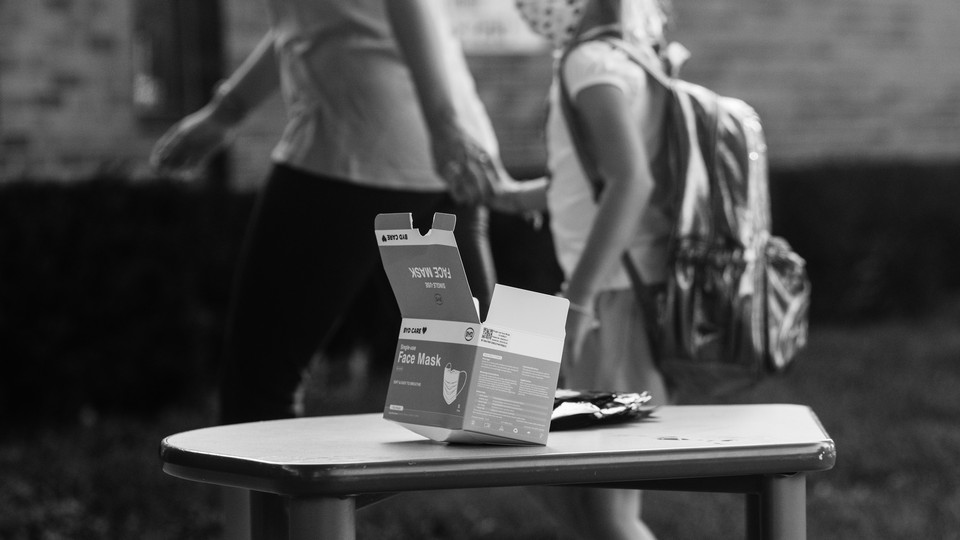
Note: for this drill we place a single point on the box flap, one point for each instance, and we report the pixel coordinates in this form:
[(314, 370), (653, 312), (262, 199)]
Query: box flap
[(528, 311), (425, 270)]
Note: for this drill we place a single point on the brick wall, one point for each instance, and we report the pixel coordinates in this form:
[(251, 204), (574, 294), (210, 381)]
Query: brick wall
[(847, 80), (64, 87), (857, 80), (246, 22)]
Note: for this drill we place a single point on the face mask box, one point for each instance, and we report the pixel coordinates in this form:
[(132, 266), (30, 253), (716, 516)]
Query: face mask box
[(455, 378)]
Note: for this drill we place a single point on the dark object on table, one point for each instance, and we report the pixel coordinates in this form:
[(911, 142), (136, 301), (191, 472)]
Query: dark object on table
[(574, 409)]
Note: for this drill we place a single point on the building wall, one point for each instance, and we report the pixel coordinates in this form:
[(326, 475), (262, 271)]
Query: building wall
[(858, 80), (246, 23), (65, 106), (849, 80)]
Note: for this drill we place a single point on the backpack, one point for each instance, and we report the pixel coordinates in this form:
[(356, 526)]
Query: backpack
[(735, 305)]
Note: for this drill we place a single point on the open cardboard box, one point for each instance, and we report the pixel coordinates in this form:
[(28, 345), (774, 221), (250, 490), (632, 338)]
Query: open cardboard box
[(455, 378)]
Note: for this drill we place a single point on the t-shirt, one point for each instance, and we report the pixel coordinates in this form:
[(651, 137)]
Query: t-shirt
[(353, 111), (570, 198)]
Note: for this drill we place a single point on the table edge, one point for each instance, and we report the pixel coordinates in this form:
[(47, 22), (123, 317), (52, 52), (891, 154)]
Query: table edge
[(548, 469)]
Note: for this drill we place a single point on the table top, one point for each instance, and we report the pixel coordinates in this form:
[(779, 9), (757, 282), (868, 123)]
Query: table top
[(356, 454)]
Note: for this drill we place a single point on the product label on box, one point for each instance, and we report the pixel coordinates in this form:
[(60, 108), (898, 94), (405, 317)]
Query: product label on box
[(431, 370), (512, 395)]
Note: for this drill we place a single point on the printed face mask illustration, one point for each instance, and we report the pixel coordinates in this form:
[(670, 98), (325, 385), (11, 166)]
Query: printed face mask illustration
[(451, 383)]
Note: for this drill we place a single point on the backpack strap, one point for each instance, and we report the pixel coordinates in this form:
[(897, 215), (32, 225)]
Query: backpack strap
[(576, 129)]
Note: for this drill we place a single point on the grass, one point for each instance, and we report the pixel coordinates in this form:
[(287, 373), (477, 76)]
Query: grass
[(886, 392)]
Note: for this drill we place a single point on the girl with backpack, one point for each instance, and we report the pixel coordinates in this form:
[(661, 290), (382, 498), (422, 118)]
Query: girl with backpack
[(617, 114)]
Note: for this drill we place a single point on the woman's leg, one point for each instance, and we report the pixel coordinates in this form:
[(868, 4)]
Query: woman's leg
[(309, 250), (473, 239)]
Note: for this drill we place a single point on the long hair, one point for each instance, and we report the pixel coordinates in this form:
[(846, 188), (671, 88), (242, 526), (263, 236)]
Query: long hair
[(646, 20)]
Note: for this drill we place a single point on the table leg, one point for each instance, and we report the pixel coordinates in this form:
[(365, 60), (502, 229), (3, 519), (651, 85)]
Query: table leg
[(325, 518), (236, 513), (268, 516), (251, 515), (779, 510)]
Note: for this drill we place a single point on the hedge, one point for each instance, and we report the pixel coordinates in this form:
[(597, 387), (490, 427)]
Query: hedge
[(113, 294)]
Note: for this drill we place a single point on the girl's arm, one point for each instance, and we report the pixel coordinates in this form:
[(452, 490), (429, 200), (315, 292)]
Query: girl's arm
[(521, 197), (616, 143)]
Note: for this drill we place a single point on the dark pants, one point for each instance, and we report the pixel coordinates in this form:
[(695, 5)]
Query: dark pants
[(310, 253)]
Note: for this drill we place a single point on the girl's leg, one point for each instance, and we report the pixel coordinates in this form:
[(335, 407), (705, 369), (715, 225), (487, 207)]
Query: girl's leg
[(620, 361), (623, 345), (588, 513)]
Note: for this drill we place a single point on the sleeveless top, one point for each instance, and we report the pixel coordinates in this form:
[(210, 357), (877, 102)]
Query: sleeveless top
[(353, 111)]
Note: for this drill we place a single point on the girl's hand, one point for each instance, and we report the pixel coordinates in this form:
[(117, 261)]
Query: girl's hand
[(520, 197), (579, 322)]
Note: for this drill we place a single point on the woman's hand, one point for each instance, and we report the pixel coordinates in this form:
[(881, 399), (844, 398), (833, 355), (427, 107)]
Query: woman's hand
[(471, 172), (190, 143)]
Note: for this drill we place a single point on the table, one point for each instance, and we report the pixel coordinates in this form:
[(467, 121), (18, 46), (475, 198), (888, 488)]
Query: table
[(306, 477)]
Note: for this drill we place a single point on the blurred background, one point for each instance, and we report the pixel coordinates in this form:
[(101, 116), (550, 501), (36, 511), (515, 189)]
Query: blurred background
[(114, 281)]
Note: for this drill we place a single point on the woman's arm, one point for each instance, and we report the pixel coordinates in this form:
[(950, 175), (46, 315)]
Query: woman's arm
[(471, 172), (192, 141), (414, 29), (256, 79)]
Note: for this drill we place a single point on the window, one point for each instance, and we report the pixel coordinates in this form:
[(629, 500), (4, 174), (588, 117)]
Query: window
[(177, 56)]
